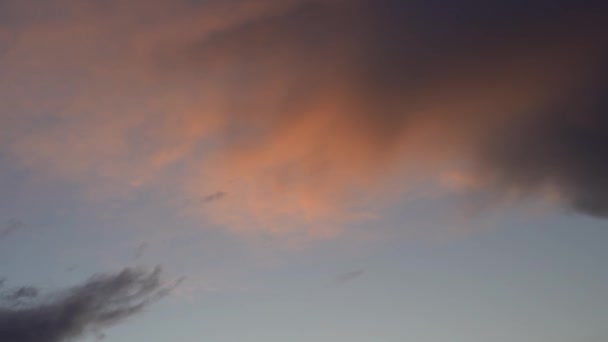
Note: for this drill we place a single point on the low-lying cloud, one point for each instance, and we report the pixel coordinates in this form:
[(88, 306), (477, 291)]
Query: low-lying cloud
[(74, 313)]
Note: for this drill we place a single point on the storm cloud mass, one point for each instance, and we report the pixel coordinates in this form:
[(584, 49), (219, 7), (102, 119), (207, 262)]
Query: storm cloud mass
[(516, 88), (305, 108), (103, 301)]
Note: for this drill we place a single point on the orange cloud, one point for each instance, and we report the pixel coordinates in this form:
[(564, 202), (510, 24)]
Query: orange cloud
[(305, 113)]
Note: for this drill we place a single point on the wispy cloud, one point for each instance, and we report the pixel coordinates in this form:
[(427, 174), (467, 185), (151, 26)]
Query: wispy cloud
[(10, 228), (141, 249), (214, 197), (349, 276)]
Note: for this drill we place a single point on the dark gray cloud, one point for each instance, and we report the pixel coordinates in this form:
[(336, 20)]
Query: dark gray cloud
[(102, 301), (564, 148)]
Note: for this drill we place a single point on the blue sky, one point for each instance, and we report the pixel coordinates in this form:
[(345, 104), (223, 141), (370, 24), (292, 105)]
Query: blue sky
[(518, 275)]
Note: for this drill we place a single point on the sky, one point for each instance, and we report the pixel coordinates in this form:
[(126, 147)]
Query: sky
[(303, 170)]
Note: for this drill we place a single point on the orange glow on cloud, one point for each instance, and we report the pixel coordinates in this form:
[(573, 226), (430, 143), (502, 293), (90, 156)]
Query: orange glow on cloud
[(236, 98)]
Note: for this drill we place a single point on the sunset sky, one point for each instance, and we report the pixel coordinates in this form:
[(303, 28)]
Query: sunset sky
[(304, 170)]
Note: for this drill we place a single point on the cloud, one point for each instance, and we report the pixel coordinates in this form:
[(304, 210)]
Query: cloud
[(17, 296), (10, 228), (103, 301), (332, 100), (313, 111), (141, 249), (350, 276), (559, 149), (214, 197)]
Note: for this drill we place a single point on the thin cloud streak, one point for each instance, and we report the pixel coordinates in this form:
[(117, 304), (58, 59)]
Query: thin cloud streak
[(10, 228), (350, 276), (214, 197)]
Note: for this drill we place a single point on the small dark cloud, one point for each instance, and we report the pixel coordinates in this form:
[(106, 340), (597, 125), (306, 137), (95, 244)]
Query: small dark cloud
[(10, 228), (350, 276), (214, 197), (141, 250), (103, 301)]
